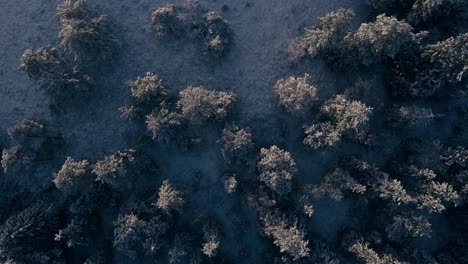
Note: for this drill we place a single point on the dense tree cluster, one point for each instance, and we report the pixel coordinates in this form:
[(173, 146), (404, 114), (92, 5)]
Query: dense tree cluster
[(434, 14), (326, 41), (27, 236), (147, 93), (378, 178), (381, 39), (342, 116), (321, 135), (198, 104), (151, 102), (165, 118), (432, 70), (89, 40), (60, 80), (289, 238), (33, 140), (134, 236), (346, 114), (163, 125), (237, 144), (41, 62), (415, 67)]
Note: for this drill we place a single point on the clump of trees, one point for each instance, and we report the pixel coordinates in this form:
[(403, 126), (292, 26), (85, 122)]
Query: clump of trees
[(41, 62), (149, 88), (384, 38), (165, 119), (151, 105), (217, 35), (237, 144), (89, 39), (276, 169), (425, 14), (34, 140), (327, 40), (163, 125), (29, 129), (211, 242), (296, 94), (135, 236), (415, 67), (429, 13), (150, 100), (401, 188), (61, 81), (27, 236), (167, 20), (432, 70), (289, 238), (230, 183), (346, 114), (198, 104), (408, 200), (321, 135), (364, 252), (148, 93), (343, 115), (194, 21), (76, 233), (16, 159)]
